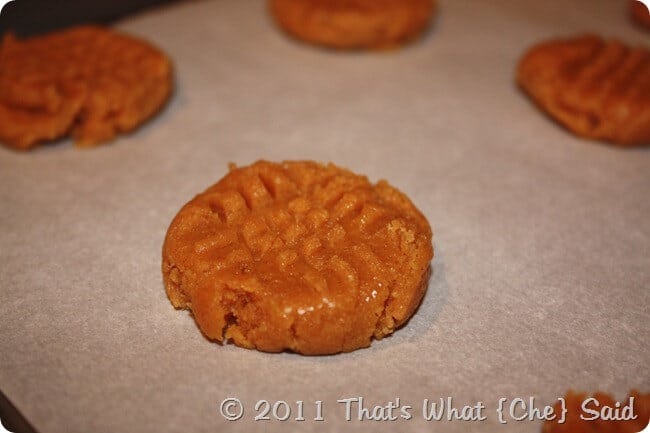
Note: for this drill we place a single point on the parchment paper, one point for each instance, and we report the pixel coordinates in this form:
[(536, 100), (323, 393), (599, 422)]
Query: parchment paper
[(542, 240)]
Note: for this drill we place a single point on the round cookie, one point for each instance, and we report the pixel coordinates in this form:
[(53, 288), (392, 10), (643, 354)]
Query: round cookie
[(597, 88), (298, 256), (576, 420), (639, 13), (88, 82), (353, 24)]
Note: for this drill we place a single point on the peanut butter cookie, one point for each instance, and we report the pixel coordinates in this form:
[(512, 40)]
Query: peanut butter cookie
[(298, 256), (579, 421), (88, 82), (353, 24), (596, 88)]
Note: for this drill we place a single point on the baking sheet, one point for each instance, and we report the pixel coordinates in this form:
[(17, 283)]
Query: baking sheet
[(542, 240)]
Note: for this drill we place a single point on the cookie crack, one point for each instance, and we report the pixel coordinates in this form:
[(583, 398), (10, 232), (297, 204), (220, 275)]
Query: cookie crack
[(175, 292), (230, 320), (293, 334), (381, 330)]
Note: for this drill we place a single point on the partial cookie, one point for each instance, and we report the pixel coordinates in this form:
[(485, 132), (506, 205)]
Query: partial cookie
[(596, 88), (640, 13), (88, 82), (298, 256), (352, 24), (579, 420)]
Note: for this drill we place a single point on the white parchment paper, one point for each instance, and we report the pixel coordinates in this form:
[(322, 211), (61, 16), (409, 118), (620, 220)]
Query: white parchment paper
[(541, 276)]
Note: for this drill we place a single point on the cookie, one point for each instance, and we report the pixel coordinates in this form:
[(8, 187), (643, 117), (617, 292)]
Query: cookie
[(297, 256), (89, 82), (596, 88), (639, 13), (353, 24), (575, 410)]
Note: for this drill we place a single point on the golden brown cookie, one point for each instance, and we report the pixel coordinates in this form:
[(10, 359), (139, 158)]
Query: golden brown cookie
[(298, 256), (88, 82), (639, 13), (575, 421), (353, 24), (596, 88)]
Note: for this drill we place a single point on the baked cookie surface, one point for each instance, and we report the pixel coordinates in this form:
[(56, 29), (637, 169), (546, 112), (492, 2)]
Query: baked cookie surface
[(596, 88), (298, 256), (88, 82), (573, 423), (353, 24)]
